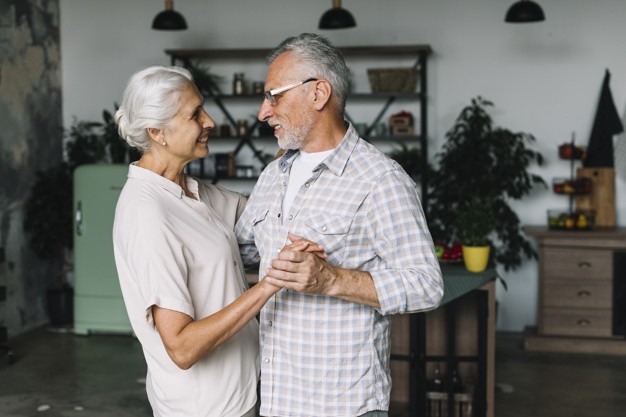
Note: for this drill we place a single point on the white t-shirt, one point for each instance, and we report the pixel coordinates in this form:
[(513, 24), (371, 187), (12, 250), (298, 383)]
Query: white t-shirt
[(181, 254), (301, 170)]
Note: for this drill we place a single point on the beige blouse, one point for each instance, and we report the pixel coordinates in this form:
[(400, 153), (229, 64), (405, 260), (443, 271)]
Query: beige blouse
[(181, 254)]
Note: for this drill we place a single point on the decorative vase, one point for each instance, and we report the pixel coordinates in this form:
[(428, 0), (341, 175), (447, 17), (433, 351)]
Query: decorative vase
[(476, 257)]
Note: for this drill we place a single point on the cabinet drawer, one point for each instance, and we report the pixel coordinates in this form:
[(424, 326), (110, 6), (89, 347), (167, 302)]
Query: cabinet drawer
[(572, 322), (578, 294), (577, 263)]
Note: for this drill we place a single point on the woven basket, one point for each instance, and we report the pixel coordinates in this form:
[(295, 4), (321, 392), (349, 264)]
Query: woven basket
[(393, 80)]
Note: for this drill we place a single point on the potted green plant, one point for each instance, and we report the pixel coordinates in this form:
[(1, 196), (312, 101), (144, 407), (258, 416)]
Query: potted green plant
[(48, 221), (474, 223), (48, 218), (205, 79), (483, 165), (117, 150)]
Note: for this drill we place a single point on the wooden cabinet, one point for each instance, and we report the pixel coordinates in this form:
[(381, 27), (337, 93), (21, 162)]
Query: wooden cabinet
[(459, 335), (579, 280)]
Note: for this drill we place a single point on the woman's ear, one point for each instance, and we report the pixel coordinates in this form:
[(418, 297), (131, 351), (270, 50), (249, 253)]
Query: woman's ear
[(323, 91), (155, 134)]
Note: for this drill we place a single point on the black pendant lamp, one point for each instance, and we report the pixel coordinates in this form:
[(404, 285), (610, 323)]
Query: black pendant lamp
[(524, 11), (169, 19), (337, 18)]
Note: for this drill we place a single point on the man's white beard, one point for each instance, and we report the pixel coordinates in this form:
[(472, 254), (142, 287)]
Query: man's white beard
[(294, 138)]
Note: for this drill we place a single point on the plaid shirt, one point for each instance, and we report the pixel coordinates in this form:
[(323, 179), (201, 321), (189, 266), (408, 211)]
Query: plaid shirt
[(321, 355)]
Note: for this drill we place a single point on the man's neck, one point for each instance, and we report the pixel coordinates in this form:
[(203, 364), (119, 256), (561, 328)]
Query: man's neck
[(328, 137)]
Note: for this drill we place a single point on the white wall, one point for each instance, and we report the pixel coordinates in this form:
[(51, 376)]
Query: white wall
[(544, 78)]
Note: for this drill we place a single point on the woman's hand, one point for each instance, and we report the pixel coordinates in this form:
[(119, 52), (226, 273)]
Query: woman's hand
[(300, 244)]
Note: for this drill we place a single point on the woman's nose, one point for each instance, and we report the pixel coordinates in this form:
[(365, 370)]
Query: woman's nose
[(208, 122)]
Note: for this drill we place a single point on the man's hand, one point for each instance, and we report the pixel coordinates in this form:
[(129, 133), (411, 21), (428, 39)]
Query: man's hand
[(300, 266)]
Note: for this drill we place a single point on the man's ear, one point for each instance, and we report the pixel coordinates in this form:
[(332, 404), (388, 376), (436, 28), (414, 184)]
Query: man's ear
[(323, 91)]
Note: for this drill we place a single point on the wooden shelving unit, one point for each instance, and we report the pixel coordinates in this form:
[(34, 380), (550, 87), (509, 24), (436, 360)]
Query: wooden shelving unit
[(187, 57)]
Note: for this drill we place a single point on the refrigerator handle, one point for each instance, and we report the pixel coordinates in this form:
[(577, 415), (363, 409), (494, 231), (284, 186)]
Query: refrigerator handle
[(79, 218)]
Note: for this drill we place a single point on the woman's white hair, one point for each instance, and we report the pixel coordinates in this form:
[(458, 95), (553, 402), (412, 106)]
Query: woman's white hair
[(150, 100)]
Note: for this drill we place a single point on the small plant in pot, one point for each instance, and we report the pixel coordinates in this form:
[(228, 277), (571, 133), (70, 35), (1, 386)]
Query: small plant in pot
[(474, 223), (48, 221)]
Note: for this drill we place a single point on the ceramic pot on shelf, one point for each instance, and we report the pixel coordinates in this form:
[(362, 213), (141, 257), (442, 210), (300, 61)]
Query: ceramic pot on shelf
[(476, 258)]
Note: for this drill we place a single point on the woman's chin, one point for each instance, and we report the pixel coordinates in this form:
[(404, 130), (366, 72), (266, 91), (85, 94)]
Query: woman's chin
[(202, 150)]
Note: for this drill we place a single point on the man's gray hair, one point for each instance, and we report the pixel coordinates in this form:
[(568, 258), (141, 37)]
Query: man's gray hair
[(324, 60)]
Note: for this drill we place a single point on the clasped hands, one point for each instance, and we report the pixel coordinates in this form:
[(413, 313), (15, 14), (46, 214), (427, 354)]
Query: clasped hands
[(301, 266)]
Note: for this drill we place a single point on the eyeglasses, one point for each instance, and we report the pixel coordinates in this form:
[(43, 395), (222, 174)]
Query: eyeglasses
[(271, 95)]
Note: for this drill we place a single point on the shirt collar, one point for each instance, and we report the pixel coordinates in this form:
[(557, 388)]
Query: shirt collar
[(142, 174), (337, 160)]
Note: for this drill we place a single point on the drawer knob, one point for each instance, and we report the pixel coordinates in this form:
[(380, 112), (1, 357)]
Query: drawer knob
[(583, 322), (584, 294), (584, 264)]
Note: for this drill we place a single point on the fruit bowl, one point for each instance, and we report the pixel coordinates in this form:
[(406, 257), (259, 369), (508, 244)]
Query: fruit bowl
[(566, 220), (580, 185), (571, 151), (451, 253)]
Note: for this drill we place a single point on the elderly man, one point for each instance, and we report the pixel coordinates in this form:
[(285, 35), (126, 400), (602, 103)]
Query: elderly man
[(325, 338)]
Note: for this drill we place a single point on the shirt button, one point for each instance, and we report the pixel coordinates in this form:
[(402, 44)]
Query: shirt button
[(266, 360), (284, 184), (279, 215), (324, 228), (269, 323), (235, 262), (290, 217), (307, 185)]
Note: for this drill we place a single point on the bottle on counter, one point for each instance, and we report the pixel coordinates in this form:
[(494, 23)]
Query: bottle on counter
[(457, 384), (242, 128), (436, 384), (225, 129)]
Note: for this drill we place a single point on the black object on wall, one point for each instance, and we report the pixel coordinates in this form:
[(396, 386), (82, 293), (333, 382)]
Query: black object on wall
[(619, 294), (337, 18), (524, 11), (169, 19), (605, 124)]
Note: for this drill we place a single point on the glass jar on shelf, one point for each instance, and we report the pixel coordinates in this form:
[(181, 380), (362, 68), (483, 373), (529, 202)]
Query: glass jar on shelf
[(239, 84)]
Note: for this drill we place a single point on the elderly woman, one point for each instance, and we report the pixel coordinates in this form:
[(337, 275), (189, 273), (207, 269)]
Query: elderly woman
[(178, 260)]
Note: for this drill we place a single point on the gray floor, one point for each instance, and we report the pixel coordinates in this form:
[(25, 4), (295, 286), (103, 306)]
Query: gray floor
[(59, 374)]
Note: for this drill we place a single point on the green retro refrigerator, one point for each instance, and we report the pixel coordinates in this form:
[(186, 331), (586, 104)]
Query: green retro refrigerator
[(98, 303)]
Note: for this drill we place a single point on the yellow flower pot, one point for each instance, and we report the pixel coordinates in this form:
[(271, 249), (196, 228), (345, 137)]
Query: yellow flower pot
[(476, 258)]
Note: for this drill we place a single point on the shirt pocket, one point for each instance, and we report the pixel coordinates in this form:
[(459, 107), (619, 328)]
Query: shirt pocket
[(261, 227), (330, 231)]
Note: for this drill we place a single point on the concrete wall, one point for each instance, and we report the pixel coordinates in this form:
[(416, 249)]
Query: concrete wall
[(30, 139)]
